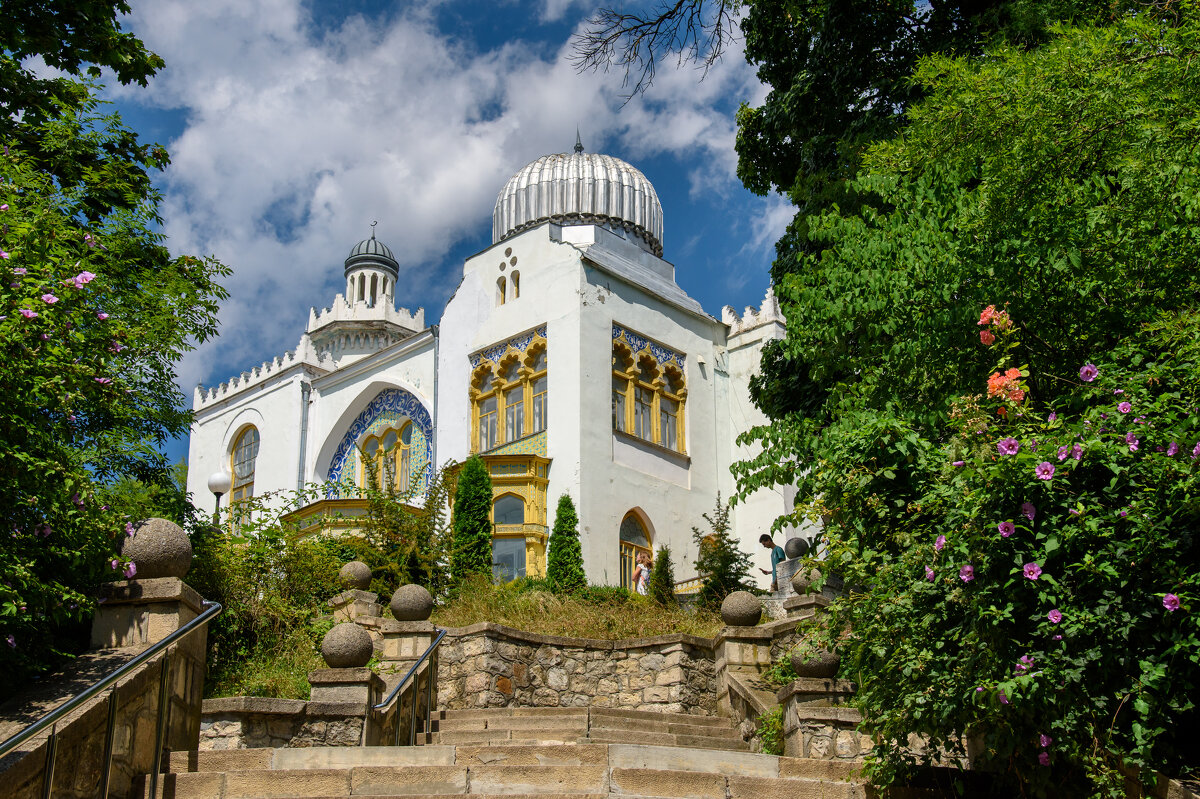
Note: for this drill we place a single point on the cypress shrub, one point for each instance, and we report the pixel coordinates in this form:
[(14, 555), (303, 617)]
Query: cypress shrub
[(662, 578), (472, 552), (564, 569)]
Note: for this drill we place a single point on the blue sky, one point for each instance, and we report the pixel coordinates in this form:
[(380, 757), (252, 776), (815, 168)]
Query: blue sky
[(293, 125)]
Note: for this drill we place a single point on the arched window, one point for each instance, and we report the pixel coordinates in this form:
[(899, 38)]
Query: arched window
[(509, 400), (634, 540), (516, 284), (500, 286), (241, 466), (389, 456), (648, 395)]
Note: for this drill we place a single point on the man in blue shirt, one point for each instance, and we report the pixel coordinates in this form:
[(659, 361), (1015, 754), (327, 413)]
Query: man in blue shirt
[(777, 555)]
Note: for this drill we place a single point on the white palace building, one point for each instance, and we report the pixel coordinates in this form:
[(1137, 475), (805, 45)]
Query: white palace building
[(568, 357)]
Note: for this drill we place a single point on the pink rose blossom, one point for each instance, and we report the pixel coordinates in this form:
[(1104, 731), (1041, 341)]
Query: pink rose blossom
[(1028, 510), (1077, 452), (102, 316), (1055, 616), (1006, 529), (1172, 450), (939, 543), (28, 314), (130, 570), (1171, 602), (1003, 697), (1008, 446), (1088, 373), (49, 299), (1052, 416), (1044, 470), (929, 575), (1032, 571), (1124, 407), (966, 573), (1045, 740), (1024, 664)]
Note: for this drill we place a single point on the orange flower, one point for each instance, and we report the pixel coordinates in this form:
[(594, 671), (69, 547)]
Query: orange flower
[(989, 312), (986, 337)]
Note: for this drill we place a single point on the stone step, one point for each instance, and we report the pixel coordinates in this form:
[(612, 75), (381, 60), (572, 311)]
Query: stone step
[(497, 712), (499, 780), (652, 715), (666, 739), (639, 725), (513, 723)]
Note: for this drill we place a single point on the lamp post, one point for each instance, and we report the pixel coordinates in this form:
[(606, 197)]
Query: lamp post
[(219, 483)]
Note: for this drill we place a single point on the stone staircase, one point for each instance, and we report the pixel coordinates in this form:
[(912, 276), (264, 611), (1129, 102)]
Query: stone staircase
[(583, 725), (522, 752)]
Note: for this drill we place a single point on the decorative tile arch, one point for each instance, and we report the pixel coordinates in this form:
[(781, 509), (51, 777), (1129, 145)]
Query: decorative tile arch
[(389, 401)]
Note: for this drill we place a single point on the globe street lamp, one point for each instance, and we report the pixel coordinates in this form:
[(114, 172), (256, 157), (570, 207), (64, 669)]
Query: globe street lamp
[(219, 483)]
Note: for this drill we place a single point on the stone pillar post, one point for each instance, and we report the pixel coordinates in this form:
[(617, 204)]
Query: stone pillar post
[(347, 688), (356, 601)]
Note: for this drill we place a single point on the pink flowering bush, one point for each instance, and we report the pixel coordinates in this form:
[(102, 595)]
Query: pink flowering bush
[(94, 314), (1056, 546)]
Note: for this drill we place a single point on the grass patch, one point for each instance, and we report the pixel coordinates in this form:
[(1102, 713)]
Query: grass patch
[(279, 671), (598, 612)]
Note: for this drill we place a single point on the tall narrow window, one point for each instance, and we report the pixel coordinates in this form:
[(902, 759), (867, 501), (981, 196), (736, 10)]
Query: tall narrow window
[(514, 413), (242, 459), (500, 286), (668, 422), (539, 404), (643, 403), (619, 386), (487, 424), (404, 465), (516, 284)]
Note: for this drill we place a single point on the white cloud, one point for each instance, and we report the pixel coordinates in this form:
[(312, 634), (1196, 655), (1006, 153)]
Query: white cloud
[(296, 140)]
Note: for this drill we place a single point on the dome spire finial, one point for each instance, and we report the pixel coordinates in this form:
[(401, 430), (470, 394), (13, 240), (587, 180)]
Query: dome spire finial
[(373, 224), (578, 141)]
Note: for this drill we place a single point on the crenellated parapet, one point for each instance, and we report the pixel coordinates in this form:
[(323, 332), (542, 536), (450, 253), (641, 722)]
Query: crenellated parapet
[(768, 313), (343, 311), (303, 354)]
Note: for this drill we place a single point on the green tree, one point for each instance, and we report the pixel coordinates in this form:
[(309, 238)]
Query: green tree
[(662, 578), (720, 563), (1055, 191), (472, 551), (406, 535), (564, 567), (94, 315)]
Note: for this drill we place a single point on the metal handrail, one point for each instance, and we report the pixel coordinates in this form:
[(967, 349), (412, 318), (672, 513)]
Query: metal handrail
[(412, 731), (51, 719)]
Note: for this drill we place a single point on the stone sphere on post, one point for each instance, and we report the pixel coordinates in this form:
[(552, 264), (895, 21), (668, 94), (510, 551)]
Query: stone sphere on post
[(741, 609), (820, 663), (803, 580), (795, 547), (411, 603), (355, 574), (158, 548), (346, 646)]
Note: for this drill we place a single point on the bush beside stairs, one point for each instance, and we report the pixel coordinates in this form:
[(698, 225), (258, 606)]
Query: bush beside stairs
[(514, 752)]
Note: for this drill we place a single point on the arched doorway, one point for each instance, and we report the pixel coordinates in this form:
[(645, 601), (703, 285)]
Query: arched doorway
[(635, 539)]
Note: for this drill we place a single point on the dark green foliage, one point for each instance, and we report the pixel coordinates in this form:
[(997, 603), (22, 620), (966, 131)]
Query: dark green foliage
[(88, 369), (472, 551), (722, 566), (662, 578), (564, 568), (1057, 184)]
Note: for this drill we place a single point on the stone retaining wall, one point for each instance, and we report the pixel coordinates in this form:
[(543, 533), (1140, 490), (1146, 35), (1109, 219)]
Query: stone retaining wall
[(250, 722), (488, 665)]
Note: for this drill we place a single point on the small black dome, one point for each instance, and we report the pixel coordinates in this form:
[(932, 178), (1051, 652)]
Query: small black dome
[(370, 252)]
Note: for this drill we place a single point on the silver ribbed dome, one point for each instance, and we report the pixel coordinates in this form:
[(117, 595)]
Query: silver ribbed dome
[(579, 188), (372, 252)]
